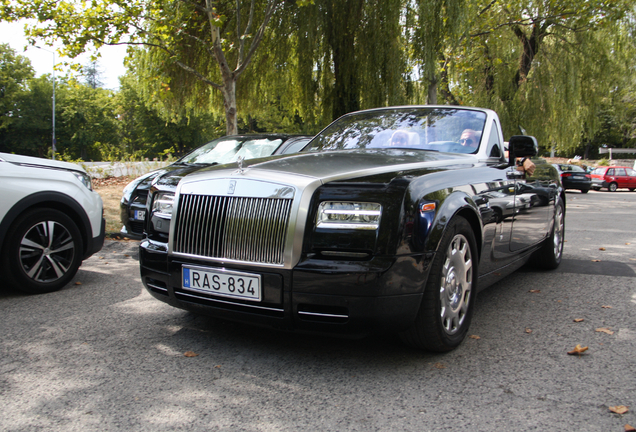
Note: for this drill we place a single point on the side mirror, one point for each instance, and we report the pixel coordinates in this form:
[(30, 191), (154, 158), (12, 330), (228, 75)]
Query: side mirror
[(522, 146)]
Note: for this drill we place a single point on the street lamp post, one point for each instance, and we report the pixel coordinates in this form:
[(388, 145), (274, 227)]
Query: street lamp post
[(53, 142)]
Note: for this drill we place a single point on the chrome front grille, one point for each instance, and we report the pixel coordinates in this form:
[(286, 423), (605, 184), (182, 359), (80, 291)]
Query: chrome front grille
[(237, 228)]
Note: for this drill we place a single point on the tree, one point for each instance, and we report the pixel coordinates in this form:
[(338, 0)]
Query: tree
[(436, 28), (351, 54), (15, 71), (184, 34), (92, 74), (145, 133), (29, 132), (542, 65)]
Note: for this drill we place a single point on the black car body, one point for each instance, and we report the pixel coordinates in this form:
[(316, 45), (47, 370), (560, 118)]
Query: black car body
[(219, 151), (574, 177), (352, 235)]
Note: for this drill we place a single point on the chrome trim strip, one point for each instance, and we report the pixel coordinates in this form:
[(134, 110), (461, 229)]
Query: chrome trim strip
[(156, 287), (181, 293), (322, 314)]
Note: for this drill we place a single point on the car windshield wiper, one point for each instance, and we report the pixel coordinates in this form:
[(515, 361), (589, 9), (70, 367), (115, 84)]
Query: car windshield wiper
[(191, 164)]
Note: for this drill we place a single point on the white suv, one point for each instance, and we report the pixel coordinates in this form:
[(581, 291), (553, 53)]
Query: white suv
[(50, 220)]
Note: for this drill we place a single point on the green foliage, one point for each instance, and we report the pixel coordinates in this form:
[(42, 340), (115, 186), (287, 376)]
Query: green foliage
[(192, 48), (561, 69), (92, 123), (15, 71), (147, 133), (544, 65)]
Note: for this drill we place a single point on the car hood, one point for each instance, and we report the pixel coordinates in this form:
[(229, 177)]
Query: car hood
[(168, 176), (40, 162), (340, 165)]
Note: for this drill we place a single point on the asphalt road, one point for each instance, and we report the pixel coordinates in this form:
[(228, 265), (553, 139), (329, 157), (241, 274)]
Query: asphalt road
[(103, 355)]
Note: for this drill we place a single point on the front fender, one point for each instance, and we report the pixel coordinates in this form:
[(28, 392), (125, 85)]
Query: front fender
[(455, 203)]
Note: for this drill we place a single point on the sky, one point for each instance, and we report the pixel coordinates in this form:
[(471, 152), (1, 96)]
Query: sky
[(110, 64)]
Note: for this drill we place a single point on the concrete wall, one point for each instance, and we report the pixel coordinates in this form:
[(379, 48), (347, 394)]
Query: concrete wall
[(118, 169), (623, 162)]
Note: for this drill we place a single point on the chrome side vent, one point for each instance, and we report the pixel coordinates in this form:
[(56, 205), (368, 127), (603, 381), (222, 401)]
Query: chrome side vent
[(238, 228)]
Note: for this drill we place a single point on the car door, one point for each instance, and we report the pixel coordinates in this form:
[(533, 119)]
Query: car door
[(534, 205), (620, 177), (631, 178)]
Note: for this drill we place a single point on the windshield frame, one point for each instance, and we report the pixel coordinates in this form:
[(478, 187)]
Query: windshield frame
[(431, 128)]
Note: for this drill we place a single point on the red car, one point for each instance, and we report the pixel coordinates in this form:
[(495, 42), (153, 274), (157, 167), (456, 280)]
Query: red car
[(613, 177)]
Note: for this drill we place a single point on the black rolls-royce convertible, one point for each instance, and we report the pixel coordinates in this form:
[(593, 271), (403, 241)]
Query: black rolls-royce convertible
[(390, 220)]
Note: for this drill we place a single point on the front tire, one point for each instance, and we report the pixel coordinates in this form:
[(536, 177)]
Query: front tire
[(449, 296), (44, 251), (612, 187)]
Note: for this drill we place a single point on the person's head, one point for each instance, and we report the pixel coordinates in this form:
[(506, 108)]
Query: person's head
[(469, 138), (399, 138)]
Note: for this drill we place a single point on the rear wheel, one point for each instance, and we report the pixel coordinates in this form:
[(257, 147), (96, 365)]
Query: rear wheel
[(44, 251), (549, 255), (585, 190), (612, 187), (449, 296)]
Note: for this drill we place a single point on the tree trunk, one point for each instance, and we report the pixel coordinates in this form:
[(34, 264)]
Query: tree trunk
[(342, 19), (431, 97), (229, 103)]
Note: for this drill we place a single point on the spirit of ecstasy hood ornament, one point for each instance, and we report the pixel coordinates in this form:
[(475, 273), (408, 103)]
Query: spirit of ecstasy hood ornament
[(239, 161)]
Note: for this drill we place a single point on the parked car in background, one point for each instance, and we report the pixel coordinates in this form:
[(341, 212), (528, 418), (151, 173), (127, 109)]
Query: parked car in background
[(574, 177), (216, 152), (383, 223), (50, 220), (613, 177)]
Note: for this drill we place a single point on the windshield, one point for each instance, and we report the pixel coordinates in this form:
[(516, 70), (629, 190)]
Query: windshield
[(228, 149), (571, 168), (441, 129)]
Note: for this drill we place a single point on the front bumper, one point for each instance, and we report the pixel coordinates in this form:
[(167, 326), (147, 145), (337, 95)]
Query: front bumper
[(95, 244), (599, 184), (352, 299)]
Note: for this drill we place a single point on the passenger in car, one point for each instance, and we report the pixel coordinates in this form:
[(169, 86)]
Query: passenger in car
[(399, 138), (469, 138)]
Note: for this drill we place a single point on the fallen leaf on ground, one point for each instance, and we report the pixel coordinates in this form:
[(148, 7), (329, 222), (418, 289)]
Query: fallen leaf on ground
[(578, 319), (605, 330), (190, 354), (126, 255), (619, 409), (578, 349), (218, 366), (474, 337), (440, 365), (601, 248), (627, 243), (528, 330), (606, 307), (535, 291), (78, 283), (629, 428)]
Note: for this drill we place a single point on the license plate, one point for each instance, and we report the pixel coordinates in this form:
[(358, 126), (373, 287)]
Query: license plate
[(221, 282), (140, 214)]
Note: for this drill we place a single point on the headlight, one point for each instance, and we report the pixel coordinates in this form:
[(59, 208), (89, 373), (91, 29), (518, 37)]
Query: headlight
[(84, 178), (348, 215), (162, 204)]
